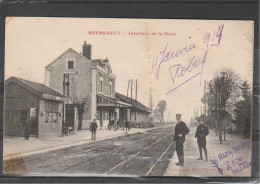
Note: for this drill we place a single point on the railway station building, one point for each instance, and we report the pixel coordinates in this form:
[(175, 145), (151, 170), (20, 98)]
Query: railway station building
[(30, 101), (139, 113), (81, 78)]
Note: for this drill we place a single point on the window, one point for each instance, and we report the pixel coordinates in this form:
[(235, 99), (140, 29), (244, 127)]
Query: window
[(101, 85), (46, 117), (106, 116), (51, 117), (70, 65), (55, 118), (110, 88)]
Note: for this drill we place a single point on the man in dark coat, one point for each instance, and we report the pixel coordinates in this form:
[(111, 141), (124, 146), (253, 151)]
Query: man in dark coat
[(127, 125), (201, 133), (180, 131), (93, 129), (27, 129)]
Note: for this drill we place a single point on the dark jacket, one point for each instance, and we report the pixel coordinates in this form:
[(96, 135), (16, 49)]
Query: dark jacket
[(181, 128), (93, 127), (27, 126), (201, 132), (127, 124)]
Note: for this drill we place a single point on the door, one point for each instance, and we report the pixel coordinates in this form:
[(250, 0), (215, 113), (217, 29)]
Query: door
[(34, 121), (69, 117)]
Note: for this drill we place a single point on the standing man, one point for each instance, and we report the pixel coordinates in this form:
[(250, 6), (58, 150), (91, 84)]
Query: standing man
[(127, 125), (27, 129), (93, 129), (180, 131), (201, 133)]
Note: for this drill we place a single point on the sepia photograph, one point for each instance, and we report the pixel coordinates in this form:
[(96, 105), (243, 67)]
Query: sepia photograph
[(117, 97)]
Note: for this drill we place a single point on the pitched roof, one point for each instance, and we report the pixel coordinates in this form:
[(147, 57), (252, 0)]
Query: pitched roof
[(40, 88), (69, 50), (134, 103), (93, 62)]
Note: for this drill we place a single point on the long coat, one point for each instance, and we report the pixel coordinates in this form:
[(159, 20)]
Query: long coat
[(201, 133), (181, 128), (93, 127)]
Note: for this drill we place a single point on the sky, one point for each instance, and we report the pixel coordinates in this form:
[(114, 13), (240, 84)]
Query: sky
[(207, 45)]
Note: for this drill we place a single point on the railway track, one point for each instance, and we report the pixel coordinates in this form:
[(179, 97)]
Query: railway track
[(130, 157), (18, 165), (94, 158)]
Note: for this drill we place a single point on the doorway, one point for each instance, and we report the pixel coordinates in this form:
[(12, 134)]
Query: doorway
[(69, 117), (34, 121)]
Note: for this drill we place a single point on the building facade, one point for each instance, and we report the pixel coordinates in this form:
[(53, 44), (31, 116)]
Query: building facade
[(81, 78), (139, 113), (30, 101)]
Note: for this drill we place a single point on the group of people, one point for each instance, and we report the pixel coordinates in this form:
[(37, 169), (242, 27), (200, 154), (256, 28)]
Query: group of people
[(116, 125), (181, 130), (94, 126)]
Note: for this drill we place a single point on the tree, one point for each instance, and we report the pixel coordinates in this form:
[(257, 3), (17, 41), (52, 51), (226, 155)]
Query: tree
[(157, 114), (82, 106), (223, 87), (209, 100), (161, 108), (243, 110), (225, 84), (245, 90), (81, 103)]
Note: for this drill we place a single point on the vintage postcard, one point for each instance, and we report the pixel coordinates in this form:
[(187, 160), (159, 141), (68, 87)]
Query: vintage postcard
[(128, 97)]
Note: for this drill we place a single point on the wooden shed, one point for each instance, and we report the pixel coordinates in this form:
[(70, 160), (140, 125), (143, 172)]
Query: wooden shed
[(30, 101)]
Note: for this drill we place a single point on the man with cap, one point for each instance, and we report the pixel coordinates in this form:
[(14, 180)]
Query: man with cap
[(93, 129), (180, 131), (201, 133)]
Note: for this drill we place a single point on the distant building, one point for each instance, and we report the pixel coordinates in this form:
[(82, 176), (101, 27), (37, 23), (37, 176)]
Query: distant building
[(30, 101), (140, 114)]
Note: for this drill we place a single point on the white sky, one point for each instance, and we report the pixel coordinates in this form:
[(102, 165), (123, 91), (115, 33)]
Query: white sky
[(32, 43)]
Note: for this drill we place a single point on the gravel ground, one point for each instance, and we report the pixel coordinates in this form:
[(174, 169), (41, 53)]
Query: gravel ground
[(135, 154)]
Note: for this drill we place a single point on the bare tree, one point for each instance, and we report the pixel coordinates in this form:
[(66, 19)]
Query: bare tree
[(81, 103), (223, 87), (157, 115), (162, 108), (226, 82)]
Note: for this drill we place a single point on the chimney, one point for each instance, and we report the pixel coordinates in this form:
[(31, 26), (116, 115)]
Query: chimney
[(86, 50), (105, 61)]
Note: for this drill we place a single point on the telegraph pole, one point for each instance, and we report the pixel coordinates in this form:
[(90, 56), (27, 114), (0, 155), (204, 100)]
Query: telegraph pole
[(204, 109), (66, 86), (128, 87), (131, 91), (131, 99), (135, 97)]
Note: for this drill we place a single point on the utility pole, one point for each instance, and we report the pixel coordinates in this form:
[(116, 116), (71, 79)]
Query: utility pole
[(219, 108), (131, 99), (204, 109), (135, 96), (131, 90), (128, 87), (66, 86), (224, 93)]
